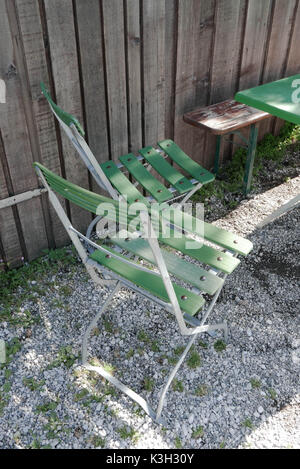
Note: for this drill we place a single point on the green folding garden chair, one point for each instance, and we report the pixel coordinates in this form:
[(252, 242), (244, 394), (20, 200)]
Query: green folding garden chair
[(142, 231), (111, 176)]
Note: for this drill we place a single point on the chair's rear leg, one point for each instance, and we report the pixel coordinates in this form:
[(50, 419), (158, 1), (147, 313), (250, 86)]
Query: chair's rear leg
[(101, 371), (94, 322)]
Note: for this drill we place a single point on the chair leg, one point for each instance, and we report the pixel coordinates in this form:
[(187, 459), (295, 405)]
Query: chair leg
[(94, 322), (172, 376), (208, 328), (250, 158), (155, 415), (217, 154), (102, 372)]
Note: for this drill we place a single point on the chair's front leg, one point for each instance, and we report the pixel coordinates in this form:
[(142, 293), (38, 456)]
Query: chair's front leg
[(102, 372), (93, 323), (172, 376)]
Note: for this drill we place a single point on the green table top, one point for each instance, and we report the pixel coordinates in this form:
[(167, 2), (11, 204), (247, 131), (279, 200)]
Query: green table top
[(280, 98)]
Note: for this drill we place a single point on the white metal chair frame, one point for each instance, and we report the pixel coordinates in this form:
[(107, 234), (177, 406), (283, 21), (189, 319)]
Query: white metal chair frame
[(198, 325)]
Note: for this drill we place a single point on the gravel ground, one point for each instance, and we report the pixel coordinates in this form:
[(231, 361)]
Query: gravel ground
[(245, 396)]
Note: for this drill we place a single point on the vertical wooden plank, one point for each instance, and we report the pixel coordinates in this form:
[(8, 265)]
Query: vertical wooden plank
[(293, 63), (92, 70), (43, 127), (283, 18), (113, 27), (255, 38), (229, 24), (64, 61), (153, 26), (10, 248), (17, 145), (133, 73), (282, 21), (11, 251), (184, 87), (204, 40), (227, 48), (194, 61), (254, 46), (11, 254), (292, 58), (171, 33)]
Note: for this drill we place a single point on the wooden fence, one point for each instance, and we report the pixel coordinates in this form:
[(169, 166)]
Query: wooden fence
[(128, 70)]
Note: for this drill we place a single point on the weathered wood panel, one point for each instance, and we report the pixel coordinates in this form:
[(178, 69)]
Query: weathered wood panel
[(17, 145), (133, 74), (66, 78), (229, 24), (255, 42), (10, 248), (293, 63), (153, 27), (92, 69), (128, 70), (171, 29), (192, 17), (114, 42), (42, 132)]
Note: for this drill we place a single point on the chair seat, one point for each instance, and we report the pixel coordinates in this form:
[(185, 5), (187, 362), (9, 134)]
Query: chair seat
[(109, 177), (188, 301), (155, 159)]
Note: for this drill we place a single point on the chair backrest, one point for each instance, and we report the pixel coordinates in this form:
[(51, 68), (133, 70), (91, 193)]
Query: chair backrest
[(169, 216), (75, 134), (108, 208), (64, 116)]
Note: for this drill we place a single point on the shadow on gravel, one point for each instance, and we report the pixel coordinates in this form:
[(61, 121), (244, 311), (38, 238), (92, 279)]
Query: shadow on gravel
[(224, 398), (263, 298)]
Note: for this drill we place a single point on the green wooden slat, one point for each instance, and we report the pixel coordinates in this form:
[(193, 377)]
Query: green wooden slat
[(82, 197), (182, 269), (202, 253), (185, 162), (68, 189), (176, 179), (122, 184), (212, 233), (145, 178), (150, 282)]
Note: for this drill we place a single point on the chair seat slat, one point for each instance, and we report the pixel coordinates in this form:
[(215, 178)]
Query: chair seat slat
[(145, 178), (188, 301), (122, 184), (179, 267), (219, 236), (202, 253), (185, 162), (170, 174)]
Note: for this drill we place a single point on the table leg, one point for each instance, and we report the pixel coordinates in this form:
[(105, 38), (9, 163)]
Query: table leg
[(250, 158), (217, 154)]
